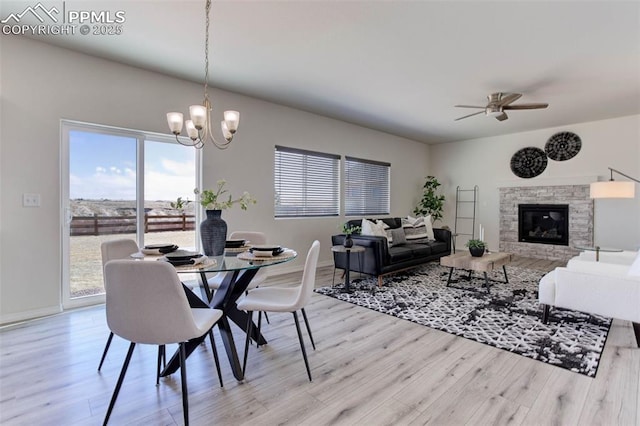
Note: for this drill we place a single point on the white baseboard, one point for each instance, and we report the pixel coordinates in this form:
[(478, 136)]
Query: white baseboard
[(10, 319)]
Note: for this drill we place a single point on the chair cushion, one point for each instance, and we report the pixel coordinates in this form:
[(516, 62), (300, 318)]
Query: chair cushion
[(270, 299)]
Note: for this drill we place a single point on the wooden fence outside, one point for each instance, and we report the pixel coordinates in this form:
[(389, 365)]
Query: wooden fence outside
[(104, 225)]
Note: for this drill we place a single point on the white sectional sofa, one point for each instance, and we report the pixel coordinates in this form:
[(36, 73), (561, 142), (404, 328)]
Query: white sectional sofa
[(610, 287)]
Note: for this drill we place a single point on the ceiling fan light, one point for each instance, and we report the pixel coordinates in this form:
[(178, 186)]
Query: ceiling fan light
[(492, 111)]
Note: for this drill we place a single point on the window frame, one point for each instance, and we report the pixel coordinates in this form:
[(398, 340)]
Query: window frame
[(312, 163), (362, 184)]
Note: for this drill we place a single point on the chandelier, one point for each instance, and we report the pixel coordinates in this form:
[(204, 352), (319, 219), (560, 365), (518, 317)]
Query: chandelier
[(199, 127)]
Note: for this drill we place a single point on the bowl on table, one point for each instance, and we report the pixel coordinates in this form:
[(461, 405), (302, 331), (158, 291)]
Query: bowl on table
[(234, 243), (266, 250)]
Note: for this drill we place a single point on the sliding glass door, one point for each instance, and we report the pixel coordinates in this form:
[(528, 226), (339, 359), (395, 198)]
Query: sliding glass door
[(119, 183)]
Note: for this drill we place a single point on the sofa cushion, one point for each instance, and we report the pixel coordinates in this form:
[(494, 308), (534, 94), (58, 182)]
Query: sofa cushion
[(634, 270), (419, 250), (438, 247), (398, 254)]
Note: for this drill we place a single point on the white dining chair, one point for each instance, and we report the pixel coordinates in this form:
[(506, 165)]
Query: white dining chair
[(146, 303), (284, 299), (111, 250)]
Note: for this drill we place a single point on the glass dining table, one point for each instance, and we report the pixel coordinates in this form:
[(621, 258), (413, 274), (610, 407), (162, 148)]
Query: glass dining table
[(239, 269)]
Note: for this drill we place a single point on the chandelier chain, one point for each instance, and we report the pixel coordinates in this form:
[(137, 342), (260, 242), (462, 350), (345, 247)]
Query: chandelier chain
[(206, 52)]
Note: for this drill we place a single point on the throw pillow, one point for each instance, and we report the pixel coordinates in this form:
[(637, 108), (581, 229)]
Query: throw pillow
[(373, 229), (427, 221), (398, 237), (418, 222), (415, 232), (634, 270)]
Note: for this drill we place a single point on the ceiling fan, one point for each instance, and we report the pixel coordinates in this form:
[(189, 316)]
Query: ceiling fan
[(498, 103)]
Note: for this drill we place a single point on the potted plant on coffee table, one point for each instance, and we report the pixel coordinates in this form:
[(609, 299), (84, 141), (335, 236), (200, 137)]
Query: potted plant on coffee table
[(476, 247)]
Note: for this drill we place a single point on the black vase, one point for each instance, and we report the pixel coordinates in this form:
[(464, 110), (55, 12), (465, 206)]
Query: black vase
[(476, 251), (213, 233), (348, 241)]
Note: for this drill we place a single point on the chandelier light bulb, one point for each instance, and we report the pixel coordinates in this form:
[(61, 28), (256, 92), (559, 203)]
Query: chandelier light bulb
[(174, 119), (225, 131), (191, 130), (198, 115), (232, 118)]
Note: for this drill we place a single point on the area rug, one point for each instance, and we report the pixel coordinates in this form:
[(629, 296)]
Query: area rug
[(508, 318)]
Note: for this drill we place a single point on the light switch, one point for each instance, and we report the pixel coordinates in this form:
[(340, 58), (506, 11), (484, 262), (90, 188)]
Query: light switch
[(30, 200)]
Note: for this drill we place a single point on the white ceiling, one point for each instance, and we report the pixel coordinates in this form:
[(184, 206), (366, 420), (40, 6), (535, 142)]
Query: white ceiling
[(395, 66)]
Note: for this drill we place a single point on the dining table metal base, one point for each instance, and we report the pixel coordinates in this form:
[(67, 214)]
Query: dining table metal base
[(231, 288)]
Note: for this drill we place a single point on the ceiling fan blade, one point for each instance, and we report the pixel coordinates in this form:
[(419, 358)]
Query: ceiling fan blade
[(501, 117), (508, 98), (526, 106), (470, 115), (469, 106)]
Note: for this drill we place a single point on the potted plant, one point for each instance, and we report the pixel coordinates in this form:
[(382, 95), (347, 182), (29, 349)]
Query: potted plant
[(348, 230), (431, 203), (213, 230), (476, 247)]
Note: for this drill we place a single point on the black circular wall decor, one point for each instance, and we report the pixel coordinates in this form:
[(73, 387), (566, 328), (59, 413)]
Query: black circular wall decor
[(563, 146), (528, 162)]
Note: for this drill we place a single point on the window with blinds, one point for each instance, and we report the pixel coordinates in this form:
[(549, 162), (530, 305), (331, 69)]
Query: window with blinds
[(366, 187), (306, 183)]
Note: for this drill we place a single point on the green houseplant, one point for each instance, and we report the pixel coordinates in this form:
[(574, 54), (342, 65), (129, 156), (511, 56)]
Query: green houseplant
[(476, 247), (431, 203)]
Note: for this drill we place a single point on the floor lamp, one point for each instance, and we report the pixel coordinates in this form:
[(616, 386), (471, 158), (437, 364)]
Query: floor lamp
[(612, 189)]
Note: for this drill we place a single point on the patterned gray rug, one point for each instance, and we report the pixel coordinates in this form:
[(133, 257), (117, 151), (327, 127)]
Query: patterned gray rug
[(508, 318)]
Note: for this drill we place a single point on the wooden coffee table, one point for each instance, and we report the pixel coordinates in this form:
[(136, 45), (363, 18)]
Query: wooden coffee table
[(486, 263)]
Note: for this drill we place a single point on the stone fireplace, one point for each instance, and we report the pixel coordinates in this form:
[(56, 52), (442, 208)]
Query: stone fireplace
[(543, 223)]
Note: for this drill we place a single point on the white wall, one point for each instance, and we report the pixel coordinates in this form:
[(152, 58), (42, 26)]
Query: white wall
[(41, 84), (486, 162)]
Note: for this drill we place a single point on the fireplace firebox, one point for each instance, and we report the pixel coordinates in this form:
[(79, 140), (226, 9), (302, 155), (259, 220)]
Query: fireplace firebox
[(543, 223)]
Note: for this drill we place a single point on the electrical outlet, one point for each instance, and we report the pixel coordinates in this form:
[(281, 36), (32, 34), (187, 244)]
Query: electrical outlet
[(30, 200)]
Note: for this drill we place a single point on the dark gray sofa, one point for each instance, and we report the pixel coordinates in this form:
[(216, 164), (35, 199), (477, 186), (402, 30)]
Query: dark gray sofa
[(379, 259)]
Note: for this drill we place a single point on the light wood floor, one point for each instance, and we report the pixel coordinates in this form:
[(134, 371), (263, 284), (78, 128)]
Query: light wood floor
[(368, 369)]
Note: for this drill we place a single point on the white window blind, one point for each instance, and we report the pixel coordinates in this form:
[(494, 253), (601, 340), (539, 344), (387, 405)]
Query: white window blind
[(366, 187), (306, 183)]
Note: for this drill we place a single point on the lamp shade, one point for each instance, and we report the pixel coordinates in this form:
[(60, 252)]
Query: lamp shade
[(612, 189)]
